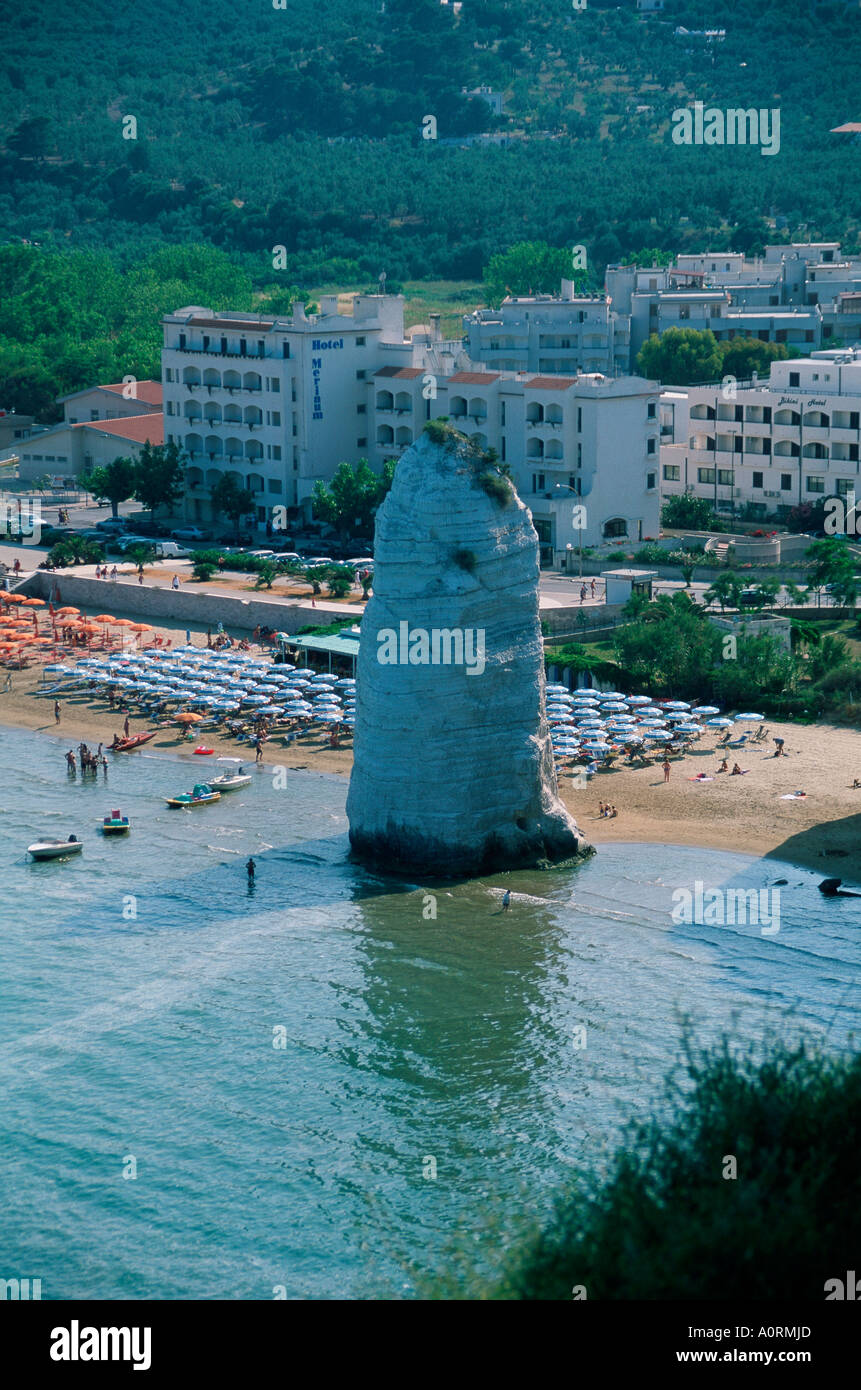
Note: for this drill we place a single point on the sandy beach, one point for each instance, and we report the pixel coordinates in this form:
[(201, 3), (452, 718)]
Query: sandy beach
[(748, 814)]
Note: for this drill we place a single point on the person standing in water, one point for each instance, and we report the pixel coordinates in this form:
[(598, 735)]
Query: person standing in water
[(251, 869)]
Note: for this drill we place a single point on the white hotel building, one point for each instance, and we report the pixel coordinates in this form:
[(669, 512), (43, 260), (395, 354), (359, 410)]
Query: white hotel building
[(279, 403), (588, 443), (795, 439)]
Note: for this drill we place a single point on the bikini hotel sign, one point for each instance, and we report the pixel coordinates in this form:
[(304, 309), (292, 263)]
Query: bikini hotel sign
[(320, 345)]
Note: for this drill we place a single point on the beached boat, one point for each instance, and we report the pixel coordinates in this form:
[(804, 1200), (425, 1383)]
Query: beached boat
[(231, 781), (55, 849), (116, 824), (202, 795), (204, 752), (125, 745)]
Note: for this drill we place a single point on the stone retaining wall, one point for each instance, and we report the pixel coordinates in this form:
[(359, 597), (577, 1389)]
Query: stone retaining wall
[(189, 606)]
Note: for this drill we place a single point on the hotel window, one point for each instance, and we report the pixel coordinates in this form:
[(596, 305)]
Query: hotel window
[(795, 378), (243, 347), (273, 484), (293, 388), (726, 477), (843, 486), (361, 410), (502, 413), (579, 418), (360, 374), (261, 348), (573, 481), (206, 342), (276, 416), (672, 473), (757, 480), (360, 342), (182, 342), (650, 481), (503, 448), (537, 482), (650, 446), (579, 455), (94, 415), (684, 311), (224, 347), (815, 484), (705, 475), (786, 482), (362, 443), (285, 349), (651, 410)]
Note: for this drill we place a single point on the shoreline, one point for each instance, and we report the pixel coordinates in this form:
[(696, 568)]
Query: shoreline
[(748, 815), (708, 816)]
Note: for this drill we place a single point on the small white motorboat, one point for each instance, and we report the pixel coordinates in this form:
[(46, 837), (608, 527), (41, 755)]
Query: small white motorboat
[(55, 849), (231, 781)]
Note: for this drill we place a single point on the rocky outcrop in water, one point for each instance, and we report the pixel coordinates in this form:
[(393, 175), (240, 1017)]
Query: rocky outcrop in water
[(453, 770)]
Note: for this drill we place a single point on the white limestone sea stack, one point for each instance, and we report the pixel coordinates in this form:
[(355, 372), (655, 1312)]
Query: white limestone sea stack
[(453, 771)]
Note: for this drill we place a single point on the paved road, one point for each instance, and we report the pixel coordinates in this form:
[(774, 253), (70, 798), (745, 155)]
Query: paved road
[(557, 590)]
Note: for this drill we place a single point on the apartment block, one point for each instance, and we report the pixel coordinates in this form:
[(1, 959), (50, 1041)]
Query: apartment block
[(569, 333), (771, 446), (582, 448)]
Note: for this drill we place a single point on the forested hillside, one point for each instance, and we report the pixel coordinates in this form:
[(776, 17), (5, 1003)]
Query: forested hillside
[(302, 127)]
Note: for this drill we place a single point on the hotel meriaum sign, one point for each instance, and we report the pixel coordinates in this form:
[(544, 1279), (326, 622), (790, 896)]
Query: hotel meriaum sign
[(320, 345)]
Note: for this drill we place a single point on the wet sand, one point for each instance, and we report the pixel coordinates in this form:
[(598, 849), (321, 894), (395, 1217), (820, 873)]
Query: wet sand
[(748, 814)]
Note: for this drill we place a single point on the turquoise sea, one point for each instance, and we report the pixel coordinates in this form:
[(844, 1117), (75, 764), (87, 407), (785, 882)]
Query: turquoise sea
[(281, 1062)]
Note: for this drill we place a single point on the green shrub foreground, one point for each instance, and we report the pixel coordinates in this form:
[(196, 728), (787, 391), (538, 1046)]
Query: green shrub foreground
[(666, 1223)]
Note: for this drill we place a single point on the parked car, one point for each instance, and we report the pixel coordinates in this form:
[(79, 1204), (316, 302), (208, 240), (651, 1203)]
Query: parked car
[(364, 562), (51, 535), (261, 554), (126, 543), (113, 523), (314, 560), (141, 525), (170, 550), (191, 533), (289, 556), (103, 537)]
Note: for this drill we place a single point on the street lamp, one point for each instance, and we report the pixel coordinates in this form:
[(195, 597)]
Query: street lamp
[(569, 487)]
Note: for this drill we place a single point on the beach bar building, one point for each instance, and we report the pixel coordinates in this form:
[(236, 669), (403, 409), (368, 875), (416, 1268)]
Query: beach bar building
[(337, 654)]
